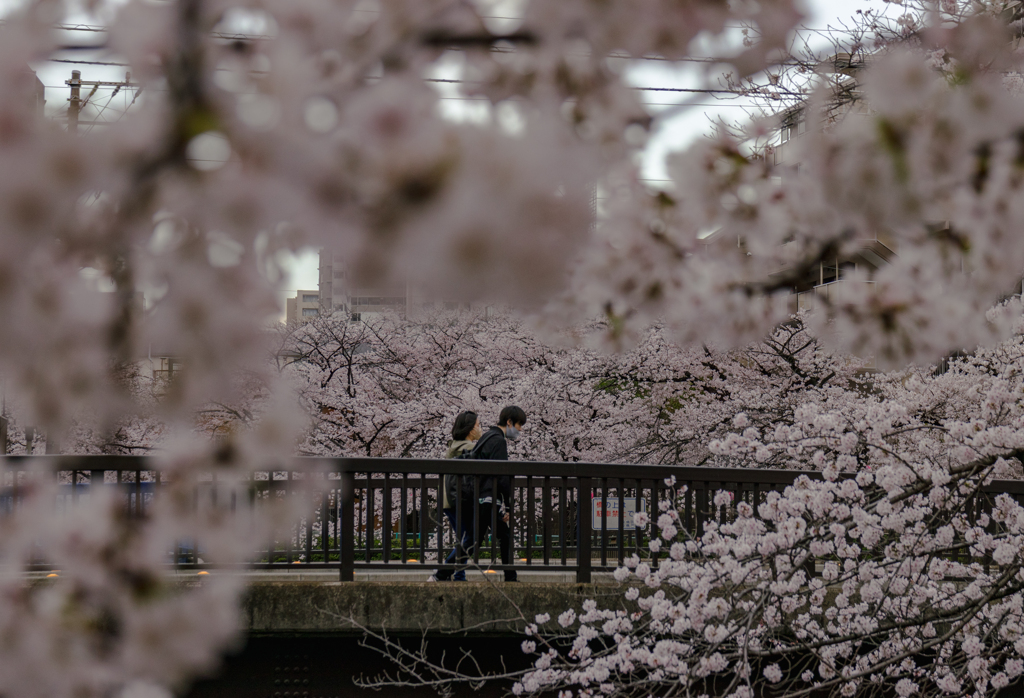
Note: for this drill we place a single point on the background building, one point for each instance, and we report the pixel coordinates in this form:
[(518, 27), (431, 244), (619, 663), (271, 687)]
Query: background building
[(873, 251), (302, 308), (36, 91), (339, 295)]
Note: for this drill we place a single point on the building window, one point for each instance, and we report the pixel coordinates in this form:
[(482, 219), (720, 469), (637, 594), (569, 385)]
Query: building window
[(306, 312), (309, 298), (794, 128), (339, 275), (379, 300), (356, 317), (169, 368)]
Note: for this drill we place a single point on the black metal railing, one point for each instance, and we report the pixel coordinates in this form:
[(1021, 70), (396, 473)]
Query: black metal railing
[(386, 514)]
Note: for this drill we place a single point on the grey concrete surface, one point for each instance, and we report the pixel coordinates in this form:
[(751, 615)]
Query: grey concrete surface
[(300, 608), (408, 573), (405, 574)]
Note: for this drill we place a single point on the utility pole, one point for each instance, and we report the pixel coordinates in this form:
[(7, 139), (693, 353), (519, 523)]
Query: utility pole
[(75, 103), (4, 424)]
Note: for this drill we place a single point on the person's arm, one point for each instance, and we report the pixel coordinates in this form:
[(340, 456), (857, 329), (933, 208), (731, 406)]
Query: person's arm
[(505, 492), (504, 482)]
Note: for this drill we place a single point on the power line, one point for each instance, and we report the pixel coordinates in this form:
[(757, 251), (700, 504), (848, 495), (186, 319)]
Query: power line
[(97, 29), (741, 93), (102, 109), (237, 36), (642, 88), (689, 59), (488, 101), (68, 60), (101, 28), (646, 104)]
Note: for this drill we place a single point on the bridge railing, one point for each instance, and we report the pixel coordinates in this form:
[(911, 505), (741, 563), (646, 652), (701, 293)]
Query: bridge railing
[(386, 514), (562, 516)]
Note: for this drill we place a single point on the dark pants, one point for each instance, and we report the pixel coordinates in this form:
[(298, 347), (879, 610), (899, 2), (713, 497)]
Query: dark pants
[(466, 537), (501, 532)]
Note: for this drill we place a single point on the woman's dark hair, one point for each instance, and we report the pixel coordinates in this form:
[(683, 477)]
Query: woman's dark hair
[(464, 424)]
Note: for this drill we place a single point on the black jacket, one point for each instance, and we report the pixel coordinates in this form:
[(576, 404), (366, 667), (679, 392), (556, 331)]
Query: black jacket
[(493, 446)]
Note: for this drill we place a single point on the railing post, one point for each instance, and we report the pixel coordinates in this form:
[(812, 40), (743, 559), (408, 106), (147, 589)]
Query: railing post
[(347, 527), (583, 527)]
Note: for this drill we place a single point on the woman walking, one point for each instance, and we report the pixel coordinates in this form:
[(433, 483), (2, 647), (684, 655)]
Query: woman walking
[(465, 433)]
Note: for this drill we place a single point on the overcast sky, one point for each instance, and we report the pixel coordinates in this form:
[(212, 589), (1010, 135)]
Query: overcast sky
[(670, 134)]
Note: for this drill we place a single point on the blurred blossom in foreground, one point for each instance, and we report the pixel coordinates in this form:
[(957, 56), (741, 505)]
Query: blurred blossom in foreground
[(323, 132), (320, 132)]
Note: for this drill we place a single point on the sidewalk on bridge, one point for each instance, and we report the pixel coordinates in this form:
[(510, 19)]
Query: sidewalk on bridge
[(417, 574), (401, 573)]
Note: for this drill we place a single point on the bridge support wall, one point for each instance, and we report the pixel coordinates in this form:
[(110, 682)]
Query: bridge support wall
[(317, 608)]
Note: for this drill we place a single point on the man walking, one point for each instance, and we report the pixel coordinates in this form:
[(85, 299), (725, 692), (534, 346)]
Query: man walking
[(495, 497)]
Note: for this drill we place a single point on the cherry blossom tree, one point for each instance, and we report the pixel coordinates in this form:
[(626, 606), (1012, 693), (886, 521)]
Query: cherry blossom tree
[(893, 166), (390, 387), (393, 387), (737, 609), (894, 573), (695, 392), (326, 129), (919, 588)]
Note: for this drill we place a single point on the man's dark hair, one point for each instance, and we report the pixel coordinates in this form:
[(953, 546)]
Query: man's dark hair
[(514, 413), (464, 424)]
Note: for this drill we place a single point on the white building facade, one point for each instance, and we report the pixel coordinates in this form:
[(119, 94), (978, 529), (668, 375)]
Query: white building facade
[(303, 308)]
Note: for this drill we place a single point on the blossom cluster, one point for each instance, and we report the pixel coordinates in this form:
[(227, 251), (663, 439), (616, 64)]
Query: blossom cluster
[(879, 582), (391, 387)]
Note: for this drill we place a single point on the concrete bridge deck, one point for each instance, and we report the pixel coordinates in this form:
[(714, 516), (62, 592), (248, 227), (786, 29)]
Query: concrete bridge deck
[(479, 608), (411, 574), (314, 603)]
